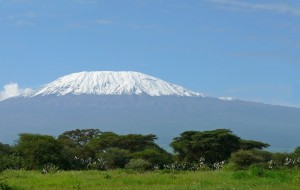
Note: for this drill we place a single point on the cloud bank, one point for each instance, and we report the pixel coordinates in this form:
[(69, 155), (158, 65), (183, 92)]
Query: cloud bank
[(12, 90)]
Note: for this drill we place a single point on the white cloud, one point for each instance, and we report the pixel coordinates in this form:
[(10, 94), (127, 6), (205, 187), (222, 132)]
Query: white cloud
[(12, 90), (275, 7)]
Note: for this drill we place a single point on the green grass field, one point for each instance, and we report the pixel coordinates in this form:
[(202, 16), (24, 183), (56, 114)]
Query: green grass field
[(122, 179)]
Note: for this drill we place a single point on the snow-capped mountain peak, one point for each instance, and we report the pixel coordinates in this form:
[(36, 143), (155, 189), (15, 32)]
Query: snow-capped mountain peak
[(111, 83)]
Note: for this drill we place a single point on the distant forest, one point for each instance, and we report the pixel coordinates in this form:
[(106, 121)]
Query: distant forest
[(92, 149)]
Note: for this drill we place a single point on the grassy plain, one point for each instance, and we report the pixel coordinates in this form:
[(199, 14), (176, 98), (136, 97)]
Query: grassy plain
[(122, 179)]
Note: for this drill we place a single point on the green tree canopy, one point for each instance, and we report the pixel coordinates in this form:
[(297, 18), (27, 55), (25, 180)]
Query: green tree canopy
[(130, 142), (214, 146), (250, 144), (104, 141), (79, 137), (137, 142), (5, 149), (297, 151), (38, 150), (75, 146)]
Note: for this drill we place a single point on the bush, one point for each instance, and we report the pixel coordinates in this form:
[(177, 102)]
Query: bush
[(279, 159), (244, 158), (50, 168), (285, 160), (3, 184), (154, 156), (138, 165), (257, 170)]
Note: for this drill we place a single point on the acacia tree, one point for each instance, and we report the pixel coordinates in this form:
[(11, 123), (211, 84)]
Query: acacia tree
[(79, 136), (104, 141), (137, 142), (214, 146), (130, 142), (75, 147), (251, 144)]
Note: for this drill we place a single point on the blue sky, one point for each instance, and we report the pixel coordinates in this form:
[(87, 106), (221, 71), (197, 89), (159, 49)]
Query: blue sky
[(247, 49)]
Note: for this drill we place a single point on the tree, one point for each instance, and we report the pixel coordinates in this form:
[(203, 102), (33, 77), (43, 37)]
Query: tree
[(104, 141), (137, 142), (5, 149), (214, 146), (75, 147), (250, 144), (79, 136), (130, 142), (297, 151), (38, 150)]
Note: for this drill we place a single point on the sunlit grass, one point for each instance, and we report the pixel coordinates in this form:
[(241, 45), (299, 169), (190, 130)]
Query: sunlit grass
[(122, 179)]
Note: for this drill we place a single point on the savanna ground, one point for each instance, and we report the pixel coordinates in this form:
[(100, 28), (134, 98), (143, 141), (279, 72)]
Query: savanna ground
[(125, 179)]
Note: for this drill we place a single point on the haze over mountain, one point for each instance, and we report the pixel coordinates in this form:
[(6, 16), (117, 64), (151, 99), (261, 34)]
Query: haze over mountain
[(132, 102)]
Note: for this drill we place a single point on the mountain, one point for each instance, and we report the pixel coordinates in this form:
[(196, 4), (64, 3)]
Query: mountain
[(131, 102), (111, 83)]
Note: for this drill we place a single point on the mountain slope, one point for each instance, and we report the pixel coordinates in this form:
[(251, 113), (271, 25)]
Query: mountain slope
[(129, 102), (166, 116)]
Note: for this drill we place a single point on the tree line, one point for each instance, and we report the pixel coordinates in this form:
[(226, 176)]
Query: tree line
[(94, 149)]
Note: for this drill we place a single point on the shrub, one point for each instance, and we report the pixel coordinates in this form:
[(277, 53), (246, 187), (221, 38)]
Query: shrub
[(138, 165), (50, 168), (3, 184), (257, 170), (244, 158), (279, 159), (154, 156), (285, 160)]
